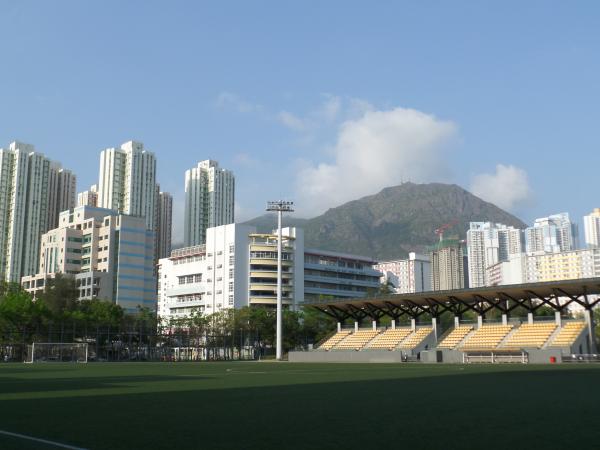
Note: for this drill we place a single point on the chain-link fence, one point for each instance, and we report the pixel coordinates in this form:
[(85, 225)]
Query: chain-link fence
[(138, 343)]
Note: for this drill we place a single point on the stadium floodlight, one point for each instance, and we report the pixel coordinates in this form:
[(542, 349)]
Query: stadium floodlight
[(280, 206)]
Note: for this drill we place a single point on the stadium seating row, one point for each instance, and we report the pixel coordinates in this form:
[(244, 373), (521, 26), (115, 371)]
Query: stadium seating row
[(404, 338), (486, 337), (455, 337), (491, 337), (567, 335), (390, 338)]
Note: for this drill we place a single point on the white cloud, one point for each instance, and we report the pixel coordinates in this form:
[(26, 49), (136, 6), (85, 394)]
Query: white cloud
[(508, 188), (376, 150), (328, 112), (292, 121), (228, 100)]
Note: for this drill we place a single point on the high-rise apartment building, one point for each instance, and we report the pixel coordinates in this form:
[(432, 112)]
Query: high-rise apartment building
[(89, 197), (447, 266), (164, 223), (209, 200), (61, 192), (407, 275), (32, 191), (127, 181), (591, 224), (552, 234), (110, 255), (487, 244)]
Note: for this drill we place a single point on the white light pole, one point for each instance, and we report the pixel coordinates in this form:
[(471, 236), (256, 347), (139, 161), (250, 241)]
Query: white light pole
[(280, 206)]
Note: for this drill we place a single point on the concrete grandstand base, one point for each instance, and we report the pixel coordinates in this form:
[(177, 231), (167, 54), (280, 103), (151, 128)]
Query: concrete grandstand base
[(371, 356)]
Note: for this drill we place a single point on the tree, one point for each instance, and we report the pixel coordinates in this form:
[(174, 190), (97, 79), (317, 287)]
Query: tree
[(60, 296), (316, 325), (19, 311)]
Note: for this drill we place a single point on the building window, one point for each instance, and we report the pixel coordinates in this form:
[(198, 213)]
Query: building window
[(231, 300)]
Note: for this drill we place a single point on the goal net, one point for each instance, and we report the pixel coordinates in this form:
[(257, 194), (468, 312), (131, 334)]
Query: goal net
[(57, 352)]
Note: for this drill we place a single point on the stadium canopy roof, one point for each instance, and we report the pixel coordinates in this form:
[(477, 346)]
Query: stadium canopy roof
[(555, 294)]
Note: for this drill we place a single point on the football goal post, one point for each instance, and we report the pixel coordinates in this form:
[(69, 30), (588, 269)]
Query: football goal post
[(57, 352)]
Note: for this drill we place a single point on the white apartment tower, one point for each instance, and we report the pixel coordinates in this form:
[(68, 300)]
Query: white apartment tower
[(591, 224), (33, 189), (127, 181), (552, 234), (209, 200), (89, 197), (488, 244)]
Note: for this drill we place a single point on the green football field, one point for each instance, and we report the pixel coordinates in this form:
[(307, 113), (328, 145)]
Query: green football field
[(268, 405)]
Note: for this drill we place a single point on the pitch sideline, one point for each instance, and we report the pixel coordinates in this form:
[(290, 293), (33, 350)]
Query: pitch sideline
[(44, 441)]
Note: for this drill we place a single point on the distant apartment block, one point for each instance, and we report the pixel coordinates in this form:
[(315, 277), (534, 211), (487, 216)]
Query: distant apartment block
[(209, 200), (110, 255), (487, 244), (448, 266), (127, 181), (33, 190), (164, 223), (89, 197), (552, 234), (407, 275), (526, 268), (591, 224)]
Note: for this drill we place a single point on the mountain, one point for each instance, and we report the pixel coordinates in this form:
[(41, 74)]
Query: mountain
[(268, 222), (395, 221)]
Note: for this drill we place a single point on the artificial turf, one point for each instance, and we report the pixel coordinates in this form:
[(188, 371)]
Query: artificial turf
[(271, 405)]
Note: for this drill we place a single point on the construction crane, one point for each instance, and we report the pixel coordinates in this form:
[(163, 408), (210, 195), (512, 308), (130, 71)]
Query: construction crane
[(442, 228)]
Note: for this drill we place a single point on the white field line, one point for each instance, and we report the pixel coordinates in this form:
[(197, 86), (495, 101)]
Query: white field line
[(44, 441)]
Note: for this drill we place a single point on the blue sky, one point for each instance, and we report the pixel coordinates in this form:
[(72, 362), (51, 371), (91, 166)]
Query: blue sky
[(319, 102)]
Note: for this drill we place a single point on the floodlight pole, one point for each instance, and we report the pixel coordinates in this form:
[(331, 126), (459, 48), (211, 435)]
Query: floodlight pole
[(279, 206)]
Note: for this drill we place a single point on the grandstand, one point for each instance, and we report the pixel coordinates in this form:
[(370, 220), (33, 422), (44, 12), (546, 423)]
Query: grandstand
[(532, 341)]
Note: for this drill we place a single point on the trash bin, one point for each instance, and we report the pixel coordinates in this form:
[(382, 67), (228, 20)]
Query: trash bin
[(553, 360)]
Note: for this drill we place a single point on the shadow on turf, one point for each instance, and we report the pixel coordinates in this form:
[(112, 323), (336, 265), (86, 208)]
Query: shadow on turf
[(545, 409), (17, 385)]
